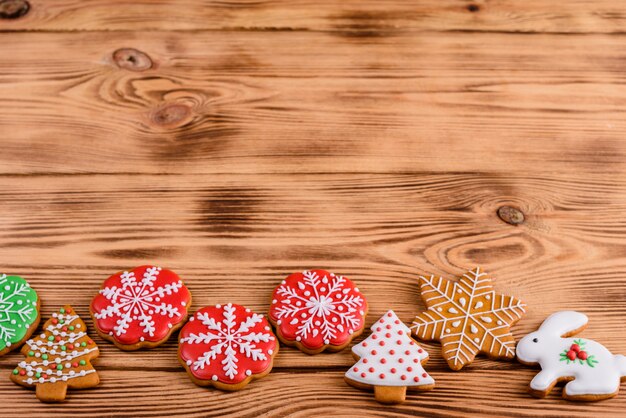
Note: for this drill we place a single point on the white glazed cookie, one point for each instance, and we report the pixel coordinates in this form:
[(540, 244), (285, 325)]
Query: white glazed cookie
[(592, 371), (389, 362)]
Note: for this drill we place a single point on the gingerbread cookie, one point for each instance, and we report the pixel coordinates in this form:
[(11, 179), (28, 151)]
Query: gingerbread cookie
[(19, 312), (58, 358), (317, 310), (141, 307), (592, 371), (389, 361), (468, 317), (227, 346)]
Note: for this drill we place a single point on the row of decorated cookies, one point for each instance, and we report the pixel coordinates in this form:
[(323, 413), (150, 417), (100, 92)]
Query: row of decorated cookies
[(227, 346)]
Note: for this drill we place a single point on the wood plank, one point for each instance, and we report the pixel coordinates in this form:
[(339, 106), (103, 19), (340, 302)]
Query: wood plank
[(364, 17), (124, 393), (259, 103)]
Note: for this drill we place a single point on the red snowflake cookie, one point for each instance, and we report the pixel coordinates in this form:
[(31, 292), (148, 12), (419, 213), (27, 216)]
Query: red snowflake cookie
[(315, 310), (141, 307), (227, 346)]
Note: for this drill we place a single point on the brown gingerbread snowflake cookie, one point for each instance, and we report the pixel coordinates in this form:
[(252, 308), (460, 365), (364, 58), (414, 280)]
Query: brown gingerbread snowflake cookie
[(468, 317)]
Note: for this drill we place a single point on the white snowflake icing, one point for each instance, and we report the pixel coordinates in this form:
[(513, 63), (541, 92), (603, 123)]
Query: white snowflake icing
[(229, 340), (14, 305), (138, 300), (313, 303)]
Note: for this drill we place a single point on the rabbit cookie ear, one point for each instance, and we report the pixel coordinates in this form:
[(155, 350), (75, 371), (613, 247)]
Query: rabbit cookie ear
[(564, 323)]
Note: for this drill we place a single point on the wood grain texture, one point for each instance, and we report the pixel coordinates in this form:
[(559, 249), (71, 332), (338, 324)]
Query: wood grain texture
[(237, 142)]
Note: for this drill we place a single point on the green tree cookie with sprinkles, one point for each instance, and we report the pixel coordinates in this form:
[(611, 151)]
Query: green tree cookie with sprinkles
[(19, 312), (58, 358)]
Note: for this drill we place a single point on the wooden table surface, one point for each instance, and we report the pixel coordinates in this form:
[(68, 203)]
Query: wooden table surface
[(237, 142)]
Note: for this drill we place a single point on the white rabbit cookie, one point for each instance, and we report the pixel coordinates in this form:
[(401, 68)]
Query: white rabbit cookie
[(592, 371)]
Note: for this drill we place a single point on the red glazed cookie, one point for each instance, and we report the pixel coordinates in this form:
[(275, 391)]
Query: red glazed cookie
[(317, 310), (141, 307), (226, 346)]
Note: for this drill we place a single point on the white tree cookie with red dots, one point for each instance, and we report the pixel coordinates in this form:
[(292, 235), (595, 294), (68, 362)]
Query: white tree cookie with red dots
[(389, 362), (468, 317), (227, 346), (591, 370), (140, 308), (317, 310)]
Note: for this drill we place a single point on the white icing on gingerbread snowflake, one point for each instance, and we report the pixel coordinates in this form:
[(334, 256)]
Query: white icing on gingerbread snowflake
[(318, 308), (231, 338), (138, 300)]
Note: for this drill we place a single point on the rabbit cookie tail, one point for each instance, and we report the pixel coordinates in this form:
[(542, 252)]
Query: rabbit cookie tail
[(620, 360)]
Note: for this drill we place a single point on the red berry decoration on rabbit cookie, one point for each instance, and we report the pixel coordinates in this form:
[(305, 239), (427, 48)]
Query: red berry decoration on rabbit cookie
[(592, 371), (317, 310), (141, 307)]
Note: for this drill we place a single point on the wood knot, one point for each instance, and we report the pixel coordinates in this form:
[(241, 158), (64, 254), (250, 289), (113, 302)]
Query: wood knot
[(511, 215), (13, 9), (473, 8), (132, 59), (171, 115)]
